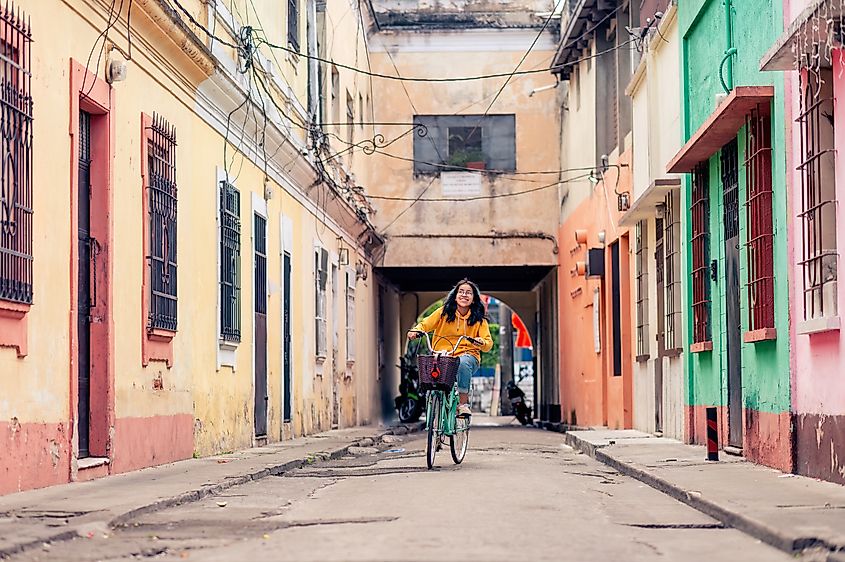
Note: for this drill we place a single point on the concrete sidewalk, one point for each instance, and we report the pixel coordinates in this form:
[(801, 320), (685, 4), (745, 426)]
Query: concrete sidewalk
[(32, 518), (795, 514)]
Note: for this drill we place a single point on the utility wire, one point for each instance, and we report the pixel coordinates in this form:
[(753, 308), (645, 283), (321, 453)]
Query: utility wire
[(553, 68)]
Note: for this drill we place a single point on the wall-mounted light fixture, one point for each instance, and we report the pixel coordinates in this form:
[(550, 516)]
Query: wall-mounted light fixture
[(581, 236), (342, 252)]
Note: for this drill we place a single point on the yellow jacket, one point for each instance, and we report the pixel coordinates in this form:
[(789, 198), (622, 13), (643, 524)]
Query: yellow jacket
[(446, 334)]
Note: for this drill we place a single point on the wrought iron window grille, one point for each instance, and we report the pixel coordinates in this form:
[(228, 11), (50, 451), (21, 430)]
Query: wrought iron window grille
[(641, 267), (672, 272), (760, 245), (230, 262), (260, 224), (700, 243), (162, 205), (16, 132), (819, 253)]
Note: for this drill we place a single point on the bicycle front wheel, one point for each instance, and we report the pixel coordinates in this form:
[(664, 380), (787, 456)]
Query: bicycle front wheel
[(433, 419), (460, 440)]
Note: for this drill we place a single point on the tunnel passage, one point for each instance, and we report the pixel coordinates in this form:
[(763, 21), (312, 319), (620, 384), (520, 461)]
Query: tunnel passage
[(529, 290)]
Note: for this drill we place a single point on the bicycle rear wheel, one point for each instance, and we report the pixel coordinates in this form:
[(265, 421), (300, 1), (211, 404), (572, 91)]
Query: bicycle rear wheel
[(433, 420), (459, 442)]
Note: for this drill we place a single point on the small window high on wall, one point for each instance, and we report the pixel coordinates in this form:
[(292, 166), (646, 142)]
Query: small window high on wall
[(461, 142)]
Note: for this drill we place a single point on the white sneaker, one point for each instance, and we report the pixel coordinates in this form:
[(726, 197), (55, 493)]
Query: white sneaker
[(464, 411)]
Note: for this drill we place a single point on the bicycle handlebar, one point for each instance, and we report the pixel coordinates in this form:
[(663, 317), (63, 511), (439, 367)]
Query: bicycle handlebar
[(454, 349)]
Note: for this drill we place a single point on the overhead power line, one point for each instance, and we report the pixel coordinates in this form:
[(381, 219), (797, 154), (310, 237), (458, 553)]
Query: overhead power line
[(261, 41)]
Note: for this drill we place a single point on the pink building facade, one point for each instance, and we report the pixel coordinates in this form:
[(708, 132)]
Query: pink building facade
[(814, 71)]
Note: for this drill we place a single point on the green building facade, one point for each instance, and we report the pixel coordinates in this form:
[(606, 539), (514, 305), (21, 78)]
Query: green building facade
[(736, 259)]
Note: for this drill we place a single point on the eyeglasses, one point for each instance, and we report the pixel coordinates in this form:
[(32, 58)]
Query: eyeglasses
[(465, 293)]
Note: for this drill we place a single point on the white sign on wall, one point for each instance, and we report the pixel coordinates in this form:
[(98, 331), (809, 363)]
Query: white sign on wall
[(460, 184)]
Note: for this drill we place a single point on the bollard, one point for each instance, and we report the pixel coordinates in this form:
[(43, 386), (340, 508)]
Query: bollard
[(712, 435)]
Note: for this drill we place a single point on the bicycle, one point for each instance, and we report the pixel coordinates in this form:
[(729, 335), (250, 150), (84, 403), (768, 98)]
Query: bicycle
[(438, 372)]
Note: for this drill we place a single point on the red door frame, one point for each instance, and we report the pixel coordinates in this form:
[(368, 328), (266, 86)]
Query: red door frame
[(93, 95)]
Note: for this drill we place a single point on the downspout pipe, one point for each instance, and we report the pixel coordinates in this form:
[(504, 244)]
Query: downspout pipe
[(730, 50)]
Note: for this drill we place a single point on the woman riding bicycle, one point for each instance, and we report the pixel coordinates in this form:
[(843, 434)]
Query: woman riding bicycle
[(462, 314)]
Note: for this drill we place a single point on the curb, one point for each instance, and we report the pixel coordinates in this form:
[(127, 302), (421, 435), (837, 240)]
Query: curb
[(773, 537), (201, 493)]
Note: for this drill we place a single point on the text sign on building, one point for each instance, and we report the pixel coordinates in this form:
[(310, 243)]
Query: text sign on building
[(460, 184)]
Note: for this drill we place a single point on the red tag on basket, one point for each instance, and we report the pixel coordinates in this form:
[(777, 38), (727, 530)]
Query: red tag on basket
[(435, 373)]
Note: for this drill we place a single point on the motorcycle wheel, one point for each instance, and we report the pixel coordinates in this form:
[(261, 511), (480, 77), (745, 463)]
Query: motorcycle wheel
[(408, 411)]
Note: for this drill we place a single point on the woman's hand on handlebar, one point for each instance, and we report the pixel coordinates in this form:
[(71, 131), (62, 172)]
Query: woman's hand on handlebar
[(413, 334), (477, 341)]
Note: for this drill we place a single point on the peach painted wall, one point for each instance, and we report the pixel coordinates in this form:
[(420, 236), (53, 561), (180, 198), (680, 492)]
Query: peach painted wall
[(590, 394)]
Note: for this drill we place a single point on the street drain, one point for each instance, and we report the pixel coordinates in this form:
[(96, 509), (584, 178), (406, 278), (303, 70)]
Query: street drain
[(677, 525)]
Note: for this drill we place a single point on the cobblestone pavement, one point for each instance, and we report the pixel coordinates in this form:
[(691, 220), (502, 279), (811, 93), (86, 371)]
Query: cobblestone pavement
[(520, 494)]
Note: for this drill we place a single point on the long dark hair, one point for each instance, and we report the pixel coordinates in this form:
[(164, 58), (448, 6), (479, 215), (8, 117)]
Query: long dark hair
[(477, 312)]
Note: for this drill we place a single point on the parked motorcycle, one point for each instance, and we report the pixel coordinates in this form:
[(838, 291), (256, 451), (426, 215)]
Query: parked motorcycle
[(518, 405), (411, 400)]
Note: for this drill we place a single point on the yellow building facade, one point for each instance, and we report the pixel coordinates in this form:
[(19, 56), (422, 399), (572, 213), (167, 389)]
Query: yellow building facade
[(200, 265)]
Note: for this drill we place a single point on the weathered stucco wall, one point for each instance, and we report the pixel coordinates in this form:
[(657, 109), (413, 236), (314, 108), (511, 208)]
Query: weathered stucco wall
[(481, 52), (657, 138), (202, 402)]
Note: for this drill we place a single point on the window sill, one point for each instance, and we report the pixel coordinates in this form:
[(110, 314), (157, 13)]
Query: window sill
[(157, 334), (672, 353), (701, 347), (13, 326), (13, 310), (643, 358), (818, 325), (350, 362), (87, 463), (320, 359), (226, 345), (763, 334)]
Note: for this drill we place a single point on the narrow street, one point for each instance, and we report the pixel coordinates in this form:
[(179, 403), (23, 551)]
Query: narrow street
[(521, 493)]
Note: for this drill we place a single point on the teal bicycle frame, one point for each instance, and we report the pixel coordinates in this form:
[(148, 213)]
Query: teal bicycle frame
[(441, 420)]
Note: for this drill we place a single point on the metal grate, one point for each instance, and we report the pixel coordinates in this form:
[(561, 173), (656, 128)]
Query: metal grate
[(230, 262), (758, 208), (321, 280), (350, 316), (672, 271), (729, 160), (293, 24), (700, 243), (16, 128), (260, 264), (641, 269), (818, 196), (161, 190)]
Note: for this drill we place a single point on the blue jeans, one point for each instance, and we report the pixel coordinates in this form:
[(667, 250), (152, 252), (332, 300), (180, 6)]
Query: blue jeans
[(467, 368)]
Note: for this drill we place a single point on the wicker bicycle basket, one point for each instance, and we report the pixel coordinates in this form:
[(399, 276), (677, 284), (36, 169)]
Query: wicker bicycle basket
[(438, 370)]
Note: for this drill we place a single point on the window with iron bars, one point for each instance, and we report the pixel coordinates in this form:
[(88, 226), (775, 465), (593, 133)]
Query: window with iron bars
[(230, 262), (700, 243), (758, 207), (16, 126), (293, 24), (161, 194), (321, 277), (819, 256), (641, 268), (672, 271), (350, 316)]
